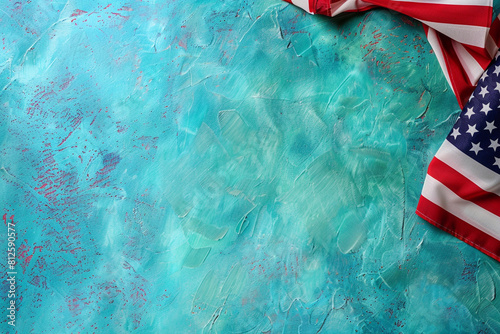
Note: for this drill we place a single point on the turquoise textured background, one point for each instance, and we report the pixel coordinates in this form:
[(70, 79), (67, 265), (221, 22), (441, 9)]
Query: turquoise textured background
[(227, 167)]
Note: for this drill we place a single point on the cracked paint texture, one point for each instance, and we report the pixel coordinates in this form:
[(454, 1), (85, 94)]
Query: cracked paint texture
[(227, 167)]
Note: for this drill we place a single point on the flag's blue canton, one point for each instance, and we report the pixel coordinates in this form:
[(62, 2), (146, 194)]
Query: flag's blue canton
[(477, 130)]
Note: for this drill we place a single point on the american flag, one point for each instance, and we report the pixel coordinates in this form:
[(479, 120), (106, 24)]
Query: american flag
[(461, 193)]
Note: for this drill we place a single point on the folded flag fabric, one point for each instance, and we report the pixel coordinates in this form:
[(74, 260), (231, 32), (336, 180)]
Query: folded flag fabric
[(461, 193)]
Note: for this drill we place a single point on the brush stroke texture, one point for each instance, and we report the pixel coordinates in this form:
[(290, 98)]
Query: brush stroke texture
[(227, 167)]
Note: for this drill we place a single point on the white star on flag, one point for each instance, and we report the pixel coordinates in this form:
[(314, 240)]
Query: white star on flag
[(484, 76), (455, 133), (494, 144), (490, 127), (476, 148), (469, 112), (497, 88), (497, 70), (486, 108), (472, 129), (484, 91)]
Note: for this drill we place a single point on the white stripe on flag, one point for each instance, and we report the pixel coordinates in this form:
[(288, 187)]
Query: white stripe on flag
[(482, 176), (491, 46), (349, 5), (438, 51), (469, 212), (470, 65), (304, 4), (471, 35)]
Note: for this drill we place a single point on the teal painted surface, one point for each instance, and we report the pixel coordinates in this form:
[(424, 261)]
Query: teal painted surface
[(227, 167)]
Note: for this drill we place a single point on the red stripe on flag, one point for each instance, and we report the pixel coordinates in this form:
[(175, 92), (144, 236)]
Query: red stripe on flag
[(312, 6), (463, 187), (426, 29), (448, 222), (481, 55), (322, 7), (362, 9), (461, 85), (442, 13)]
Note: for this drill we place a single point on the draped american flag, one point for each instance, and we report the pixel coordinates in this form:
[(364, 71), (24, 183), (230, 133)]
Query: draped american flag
[(461, 193)]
